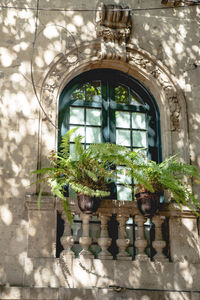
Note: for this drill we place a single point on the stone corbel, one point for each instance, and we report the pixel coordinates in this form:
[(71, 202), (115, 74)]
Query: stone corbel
[(113, 26)]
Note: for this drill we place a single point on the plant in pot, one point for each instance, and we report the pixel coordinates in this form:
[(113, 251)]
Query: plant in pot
[(171, 175), (88, 172), (83, 172)]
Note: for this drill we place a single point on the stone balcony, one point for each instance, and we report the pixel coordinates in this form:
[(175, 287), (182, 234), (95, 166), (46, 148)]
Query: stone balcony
[(100, 270)]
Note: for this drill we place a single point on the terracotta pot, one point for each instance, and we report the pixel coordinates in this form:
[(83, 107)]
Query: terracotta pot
[(148, 203), (88, 204)]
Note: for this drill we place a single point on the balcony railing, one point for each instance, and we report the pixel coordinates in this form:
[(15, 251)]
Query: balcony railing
[(116, 231), (123, 212)]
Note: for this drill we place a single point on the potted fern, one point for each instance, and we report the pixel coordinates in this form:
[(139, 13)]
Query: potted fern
[(88, 172), (171, 175), (83, 172)]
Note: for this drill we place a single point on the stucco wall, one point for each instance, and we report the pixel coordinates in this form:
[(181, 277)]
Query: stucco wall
[(31, 40)]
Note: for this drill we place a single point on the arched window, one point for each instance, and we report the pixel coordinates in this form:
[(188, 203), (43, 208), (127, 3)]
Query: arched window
[(110, 106)]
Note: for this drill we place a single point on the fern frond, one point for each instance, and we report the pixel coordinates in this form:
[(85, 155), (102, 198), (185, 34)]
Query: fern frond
[(64, 146)]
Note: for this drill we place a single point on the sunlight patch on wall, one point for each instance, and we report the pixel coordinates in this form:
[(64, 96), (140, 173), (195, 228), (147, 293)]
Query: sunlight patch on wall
[(7, 57), (51, 32), (24, 67), (182, 31), (18, 80), (188, 224), (78, 20), (21, 46), (44, 277), (182, 83), (6, 215), (16, 168), (179, 47), (48, 56), (22, 231), (39, 62), (187, 273), (71, 28), (145, 297), (14, 293), (13, 188), (26, 263), (10, 20)]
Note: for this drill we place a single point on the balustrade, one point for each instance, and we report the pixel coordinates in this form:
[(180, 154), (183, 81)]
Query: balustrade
[(159, 244), (67, 239), (108, 227), (85, 240), (123, 211), (141, 242), (122, 241), (104, 241)]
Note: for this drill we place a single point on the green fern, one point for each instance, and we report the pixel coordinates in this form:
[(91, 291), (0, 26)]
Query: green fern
[(172, 175)]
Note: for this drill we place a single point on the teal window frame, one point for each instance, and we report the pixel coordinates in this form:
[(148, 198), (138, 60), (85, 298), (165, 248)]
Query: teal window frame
[(110, 79), (108, 106)]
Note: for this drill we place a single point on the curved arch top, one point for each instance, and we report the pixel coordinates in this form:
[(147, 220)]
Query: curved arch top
[(143, 67)]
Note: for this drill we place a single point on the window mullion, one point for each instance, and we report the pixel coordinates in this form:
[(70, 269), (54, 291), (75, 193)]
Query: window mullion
[(105, 112), (112, 121)]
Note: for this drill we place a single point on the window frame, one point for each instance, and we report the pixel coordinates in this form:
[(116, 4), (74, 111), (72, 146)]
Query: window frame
[(112, 76)]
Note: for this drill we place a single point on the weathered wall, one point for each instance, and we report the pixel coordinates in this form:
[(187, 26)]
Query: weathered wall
[(30, 41)]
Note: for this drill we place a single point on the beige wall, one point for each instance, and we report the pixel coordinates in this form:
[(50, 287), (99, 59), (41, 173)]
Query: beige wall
[(169, 38)]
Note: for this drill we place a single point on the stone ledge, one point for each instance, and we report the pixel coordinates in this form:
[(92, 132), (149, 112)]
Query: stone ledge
[(48, 202), (89, 273), (26, 293), (23, 293)]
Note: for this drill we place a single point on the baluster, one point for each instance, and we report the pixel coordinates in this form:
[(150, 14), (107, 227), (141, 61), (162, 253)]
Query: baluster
[(104, 241), (67, 239), (141, 242), (159, 244), (85, 241), (122, 241)]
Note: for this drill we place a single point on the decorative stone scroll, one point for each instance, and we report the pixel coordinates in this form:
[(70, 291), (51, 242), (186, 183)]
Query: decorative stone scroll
[(167, 85), (114, 26)]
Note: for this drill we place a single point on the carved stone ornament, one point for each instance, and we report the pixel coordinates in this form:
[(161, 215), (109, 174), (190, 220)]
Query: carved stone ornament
[(114, 26), (167, 85), (99, 50)]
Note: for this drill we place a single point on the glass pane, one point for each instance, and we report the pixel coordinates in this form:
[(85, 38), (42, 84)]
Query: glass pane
[(122, 94), (122, 177), (147, 232), (79, 94), (130, 221), (122, 119), (93, 135), (73, 157), (142, 153), (139, 139), (129, 232), (93, 117), (95, 230), (76, 218), (76, 231), (123, 137), (130, 250), (135, 100), (124, 193), (93, 91), (79, 131), (138, 121), (76, 115)]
